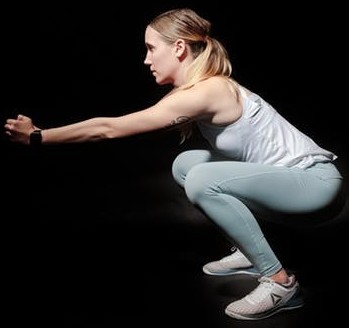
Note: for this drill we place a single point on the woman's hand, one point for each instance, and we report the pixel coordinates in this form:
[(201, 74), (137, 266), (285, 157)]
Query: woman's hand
[(19, 129)]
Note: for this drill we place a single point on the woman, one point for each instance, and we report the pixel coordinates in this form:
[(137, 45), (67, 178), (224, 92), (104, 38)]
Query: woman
[(260, 166)]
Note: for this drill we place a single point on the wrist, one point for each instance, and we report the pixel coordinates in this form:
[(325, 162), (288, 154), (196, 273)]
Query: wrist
[(35, 138)]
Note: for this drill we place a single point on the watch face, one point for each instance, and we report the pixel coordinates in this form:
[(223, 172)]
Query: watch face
[(35, 138)]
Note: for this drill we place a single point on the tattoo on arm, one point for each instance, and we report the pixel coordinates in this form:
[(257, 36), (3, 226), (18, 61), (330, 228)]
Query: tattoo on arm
[(183, 123), (179, 121)]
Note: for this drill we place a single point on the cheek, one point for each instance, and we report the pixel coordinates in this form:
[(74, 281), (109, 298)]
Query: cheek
[(159, 58), (166, 64), (162, 58)]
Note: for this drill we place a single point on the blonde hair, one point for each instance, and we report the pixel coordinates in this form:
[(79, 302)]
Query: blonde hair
[(210, 56)]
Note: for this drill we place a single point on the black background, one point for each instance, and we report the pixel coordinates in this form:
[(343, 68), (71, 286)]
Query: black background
[(65, 61), (83, 223)]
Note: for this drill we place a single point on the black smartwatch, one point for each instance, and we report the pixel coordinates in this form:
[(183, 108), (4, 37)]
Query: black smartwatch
[(35, 138)]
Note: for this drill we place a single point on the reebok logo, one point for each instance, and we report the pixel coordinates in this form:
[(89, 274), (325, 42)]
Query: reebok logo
[(275, 298)]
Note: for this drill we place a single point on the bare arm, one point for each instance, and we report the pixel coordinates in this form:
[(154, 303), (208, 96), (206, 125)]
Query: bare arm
[(183, 105)]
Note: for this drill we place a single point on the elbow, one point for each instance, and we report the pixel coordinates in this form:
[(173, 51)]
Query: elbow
[(105, 129)]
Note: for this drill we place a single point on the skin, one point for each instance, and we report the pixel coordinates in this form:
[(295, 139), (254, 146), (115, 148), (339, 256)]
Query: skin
[(212, 100)]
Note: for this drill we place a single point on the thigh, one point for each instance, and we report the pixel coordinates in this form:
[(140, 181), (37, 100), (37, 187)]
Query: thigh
[(266, 187), (186, 160)]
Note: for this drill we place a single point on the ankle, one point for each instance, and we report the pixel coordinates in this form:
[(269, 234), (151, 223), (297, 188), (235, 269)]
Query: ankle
[(281, 277)]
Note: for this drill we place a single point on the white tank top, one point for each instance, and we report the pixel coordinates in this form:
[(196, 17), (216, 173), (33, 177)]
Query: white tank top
[(262, 135)]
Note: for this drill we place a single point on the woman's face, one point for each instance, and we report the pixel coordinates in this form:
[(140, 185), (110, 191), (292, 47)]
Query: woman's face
[(161, 57)]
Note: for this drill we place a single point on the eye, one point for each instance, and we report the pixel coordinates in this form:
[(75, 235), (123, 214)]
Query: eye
[(149, 47)]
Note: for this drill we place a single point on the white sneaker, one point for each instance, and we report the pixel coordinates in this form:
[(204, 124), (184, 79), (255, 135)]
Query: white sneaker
[(233, 264), (266, 299)]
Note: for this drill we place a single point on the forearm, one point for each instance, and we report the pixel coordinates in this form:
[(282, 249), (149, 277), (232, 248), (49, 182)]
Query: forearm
[(90, 130), (21, 128)]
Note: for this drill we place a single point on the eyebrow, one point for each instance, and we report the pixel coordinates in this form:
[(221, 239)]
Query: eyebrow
[(149, 45)]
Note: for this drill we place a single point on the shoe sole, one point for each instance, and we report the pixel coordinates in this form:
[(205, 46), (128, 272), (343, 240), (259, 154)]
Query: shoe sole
[(248, 271)]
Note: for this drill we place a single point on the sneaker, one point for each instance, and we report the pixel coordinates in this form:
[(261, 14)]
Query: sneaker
[(267, 299), (233, 264)]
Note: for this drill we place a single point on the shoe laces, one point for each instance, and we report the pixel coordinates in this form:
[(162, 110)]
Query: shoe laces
[(226, 258), (260, 292), (235, 254)]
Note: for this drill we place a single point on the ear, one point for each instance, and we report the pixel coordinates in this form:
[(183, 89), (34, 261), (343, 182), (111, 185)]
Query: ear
[(180, 48)]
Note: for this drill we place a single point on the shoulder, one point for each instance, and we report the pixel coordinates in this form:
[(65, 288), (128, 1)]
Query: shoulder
[(206, 99), (205, 91), (218, 88), (217, 84), (223, 99)]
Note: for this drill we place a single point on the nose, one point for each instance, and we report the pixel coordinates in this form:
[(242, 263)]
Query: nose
[(147, 61)]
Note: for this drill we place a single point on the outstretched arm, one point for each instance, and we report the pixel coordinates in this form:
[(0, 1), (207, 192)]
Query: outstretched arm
[(172, 110)]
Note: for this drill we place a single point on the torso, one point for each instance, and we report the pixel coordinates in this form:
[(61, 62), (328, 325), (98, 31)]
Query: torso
[(253, 131)]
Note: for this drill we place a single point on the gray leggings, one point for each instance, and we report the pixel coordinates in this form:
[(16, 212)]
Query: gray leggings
[(233, 194)]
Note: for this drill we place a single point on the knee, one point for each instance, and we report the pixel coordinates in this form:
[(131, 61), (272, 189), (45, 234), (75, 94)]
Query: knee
[(197, 186), (178, 169), (182, 164)]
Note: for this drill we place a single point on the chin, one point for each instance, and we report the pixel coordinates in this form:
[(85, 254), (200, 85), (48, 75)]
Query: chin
[(162, 81)]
